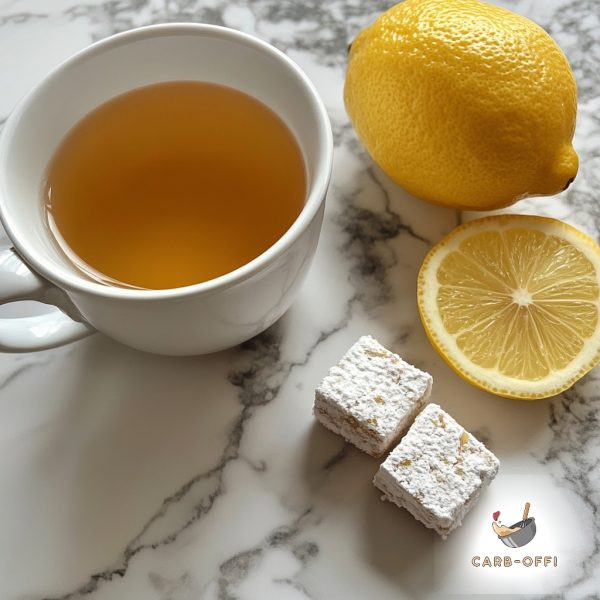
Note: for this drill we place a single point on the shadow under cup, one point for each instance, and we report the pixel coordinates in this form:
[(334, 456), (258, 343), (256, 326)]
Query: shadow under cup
[(195, 319)]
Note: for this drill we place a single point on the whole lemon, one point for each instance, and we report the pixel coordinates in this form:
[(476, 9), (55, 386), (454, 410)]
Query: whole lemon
[(463, 103)]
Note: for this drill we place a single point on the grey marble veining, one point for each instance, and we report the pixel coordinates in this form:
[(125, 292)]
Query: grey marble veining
[(139, 477)]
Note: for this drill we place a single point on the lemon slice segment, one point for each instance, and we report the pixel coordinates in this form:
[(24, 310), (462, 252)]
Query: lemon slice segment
[(512, 302)]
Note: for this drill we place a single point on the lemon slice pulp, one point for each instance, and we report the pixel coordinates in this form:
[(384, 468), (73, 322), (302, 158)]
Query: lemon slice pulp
[(511, 302)]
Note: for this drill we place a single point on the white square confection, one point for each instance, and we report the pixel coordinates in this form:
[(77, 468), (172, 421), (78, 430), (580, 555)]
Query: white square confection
[(371, 396), (437, 471)]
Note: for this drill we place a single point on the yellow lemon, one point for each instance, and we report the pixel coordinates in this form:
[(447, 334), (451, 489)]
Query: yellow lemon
[(511, 303), (463, 104)]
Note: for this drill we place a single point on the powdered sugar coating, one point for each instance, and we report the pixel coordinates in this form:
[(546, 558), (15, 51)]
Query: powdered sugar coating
[(371, 396), (437, 471)]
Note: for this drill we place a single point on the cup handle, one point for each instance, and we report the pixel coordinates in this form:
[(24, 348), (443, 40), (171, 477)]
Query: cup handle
[(27, 334)]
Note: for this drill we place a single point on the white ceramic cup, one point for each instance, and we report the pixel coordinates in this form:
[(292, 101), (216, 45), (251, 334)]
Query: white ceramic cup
[(195, 319)]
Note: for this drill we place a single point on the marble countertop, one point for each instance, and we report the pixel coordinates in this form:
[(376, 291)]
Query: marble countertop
[(130, 476)]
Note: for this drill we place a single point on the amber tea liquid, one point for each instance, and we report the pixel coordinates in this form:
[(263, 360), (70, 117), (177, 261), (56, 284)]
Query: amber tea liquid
[(173, 184)]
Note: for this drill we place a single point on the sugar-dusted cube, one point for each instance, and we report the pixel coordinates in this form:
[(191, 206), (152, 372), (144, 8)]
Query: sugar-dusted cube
[(371, 396), (437, 471)]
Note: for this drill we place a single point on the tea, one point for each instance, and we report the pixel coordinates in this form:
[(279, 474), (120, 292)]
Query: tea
[(173, 184)]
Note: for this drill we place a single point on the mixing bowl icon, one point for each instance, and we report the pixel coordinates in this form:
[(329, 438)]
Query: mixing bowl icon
[(519, 538), (519, 533)]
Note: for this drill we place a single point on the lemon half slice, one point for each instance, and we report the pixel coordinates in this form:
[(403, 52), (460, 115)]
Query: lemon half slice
[(511, 303)]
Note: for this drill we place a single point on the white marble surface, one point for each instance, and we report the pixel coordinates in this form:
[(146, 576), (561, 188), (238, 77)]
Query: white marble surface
[(130, 476)]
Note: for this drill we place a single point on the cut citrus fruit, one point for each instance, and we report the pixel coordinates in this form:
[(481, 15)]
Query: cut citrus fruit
[(511, 303)]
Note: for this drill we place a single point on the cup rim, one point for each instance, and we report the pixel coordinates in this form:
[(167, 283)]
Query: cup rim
[(314, 200)]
